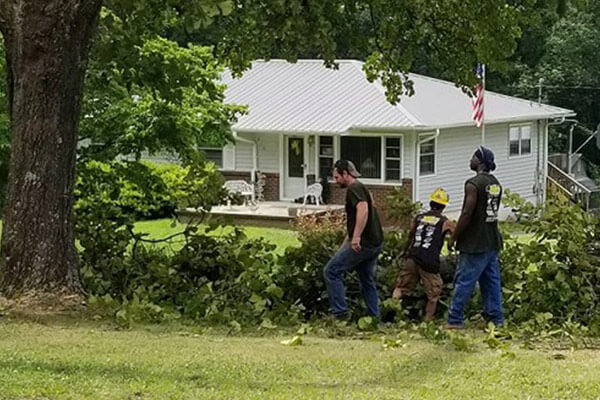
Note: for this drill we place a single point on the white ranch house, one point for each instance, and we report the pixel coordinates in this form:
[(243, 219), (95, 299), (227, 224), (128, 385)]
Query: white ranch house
[(303, 116)]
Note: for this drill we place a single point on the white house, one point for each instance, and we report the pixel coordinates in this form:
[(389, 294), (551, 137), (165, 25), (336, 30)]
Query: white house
[(303, 116)]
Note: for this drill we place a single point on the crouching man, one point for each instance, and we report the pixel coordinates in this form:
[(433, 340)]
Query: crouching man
[(425, 242)]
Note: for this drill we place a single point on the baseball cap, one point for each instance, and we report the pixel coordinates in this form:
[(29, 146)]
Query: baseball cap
[(348, 166)]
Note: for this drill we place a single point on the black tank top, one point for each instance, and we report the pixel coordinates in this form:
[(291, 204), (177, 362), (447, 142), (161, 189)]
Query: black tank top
[(428, 241), (482, 234)]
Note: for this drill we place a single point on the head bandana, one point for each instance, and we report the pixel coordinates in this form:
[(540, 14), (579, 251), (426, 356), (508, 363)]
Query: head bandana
[(486, 156)]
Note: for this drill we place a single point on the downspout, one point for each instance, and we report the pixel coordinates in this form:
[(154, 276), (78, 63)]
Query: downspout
[(416, 167), (254, 157), (538, 165)]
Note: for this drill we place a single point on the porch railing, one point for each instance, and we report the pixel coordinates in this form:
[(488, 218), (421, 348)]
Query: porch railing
[(571, 188)]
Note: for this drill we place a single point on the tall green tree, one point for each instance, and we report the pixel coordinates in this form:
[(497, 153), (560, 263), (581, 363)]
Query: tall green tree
[(47, 46), (569, 68)]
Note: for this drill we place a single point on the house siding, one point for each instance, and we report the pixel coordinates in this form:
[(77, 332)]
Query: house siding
[(267, 153), (243, 156), (454, 150), (409, 159), (229, 157)]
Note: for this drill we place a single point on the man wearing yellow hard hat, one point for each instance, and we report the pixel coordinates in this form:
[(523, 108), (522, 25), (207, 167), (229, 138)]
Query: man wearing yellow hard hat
[(422, 252)]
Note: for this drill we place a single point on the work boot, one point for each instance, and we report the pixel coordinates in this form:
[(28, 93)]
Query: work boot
[(342, 317), (453, 327), (430, 310)]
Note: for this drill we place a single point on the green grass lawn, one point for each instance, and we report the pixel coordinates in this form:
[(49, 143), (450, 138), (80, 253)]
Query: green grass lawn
[(162, 228), (83, 360)]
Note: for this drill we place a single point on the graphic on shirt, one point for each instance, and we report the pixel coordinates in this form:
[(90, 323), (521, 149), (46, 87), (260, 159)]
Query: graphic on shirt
[(493, 202), (425, 230)]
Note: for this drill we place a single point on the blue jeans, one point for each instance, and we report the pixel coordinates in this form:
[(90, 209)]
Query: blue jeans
[(474, 267), (346, 260)]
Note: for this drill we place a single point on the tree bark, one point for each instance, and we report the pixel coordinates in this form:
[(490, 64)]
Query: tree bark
[(47, 45)]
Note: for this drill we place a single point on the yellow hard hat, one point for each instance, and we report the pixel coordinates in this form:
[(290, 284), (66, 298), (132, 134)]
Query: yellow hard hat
[(440, 196)]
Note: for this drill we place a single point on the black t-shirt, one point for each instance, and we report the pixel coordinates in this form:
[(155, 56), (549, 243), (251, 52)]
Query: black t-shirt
[(372, 235), (482, 233)]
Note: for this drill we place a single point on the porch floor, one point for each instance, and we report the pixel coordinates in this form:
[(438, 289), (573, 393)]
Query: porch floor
[(267, 213)]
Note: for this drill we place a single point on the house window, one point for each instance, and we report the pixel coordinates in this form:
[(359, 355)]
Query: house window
[(213, 154), (365, 153), (427, 157), (325, 156), (519, 140), (393, 159)]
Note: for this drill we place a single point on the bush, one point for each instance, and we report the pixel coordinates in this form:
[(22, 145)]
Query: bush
[(300, 273), (556, 271), (400, 207), (110, 197), (213, 279)]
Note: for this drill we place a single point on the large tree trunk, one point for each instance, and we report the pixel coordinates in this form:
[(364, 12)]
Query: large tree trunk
[(46, 43)]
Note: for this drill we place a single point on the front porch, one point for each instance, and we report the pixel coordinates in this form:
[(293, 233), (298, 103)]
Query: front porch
[(266, 213)]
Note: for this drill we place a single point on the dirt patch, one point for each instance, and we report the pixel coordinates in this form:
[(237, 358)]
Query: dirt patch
[(39, 305)]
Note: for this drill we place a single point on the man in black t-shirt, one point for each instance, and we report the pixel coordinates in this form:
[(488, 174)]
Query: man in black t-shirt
[(361, 246)]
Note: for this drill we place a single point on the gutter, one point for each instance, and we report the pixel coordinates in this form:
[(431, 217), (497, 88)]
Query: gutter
[(425, 128), (409, 128)]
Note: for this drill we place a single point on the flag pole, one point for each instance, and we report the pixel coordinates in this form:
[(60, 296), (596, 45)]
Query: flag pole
[(483, 106)]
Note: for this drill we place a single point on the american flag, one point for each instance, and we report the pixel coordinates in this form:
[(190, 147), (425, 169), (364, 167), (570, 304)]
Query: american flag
[(477, 101)]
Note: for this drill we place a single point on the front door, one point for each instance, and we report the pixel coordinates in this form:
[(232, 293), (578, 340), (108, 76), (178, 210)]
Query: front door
[(294, 165)]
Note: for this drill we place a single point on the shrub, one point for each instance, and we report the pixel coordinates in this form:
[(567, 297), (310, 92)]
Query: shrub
[(216, 280), (400, 207), (556, 271), (301, 268), (109, 199)]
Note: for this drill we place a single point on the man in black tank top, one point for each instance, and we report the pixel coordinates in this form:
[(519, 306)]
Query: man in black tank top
[(422, 262), (479, 241)]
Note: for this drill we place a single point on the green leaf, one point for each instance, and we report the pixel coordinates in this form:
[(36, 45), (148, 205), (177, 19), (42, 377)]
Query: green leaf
[(267, 324), (366, 323), (295, 341)]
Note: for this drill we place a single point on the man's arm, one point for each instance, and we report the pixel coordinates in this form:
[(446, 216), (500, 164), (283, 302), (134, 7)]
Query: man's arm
[(362, 214), (466, 213), (448, 227)]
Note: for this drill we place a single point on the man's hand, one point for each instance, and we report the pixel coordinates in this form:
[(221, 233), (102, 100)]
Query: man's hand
[(451, 243), (355, 244)]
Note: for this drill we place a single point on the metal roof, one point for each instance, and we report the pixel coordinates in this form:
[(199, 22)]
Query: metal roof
[(308, 97)]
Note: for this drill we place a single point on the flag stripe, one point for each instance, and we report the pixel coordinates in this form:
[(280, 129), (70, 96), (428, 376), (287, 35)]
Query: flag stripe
[(477, 103)]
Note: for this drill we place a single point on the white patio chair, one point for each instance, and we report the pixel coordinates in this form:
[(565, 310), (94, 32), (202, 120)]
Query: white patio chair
[(315, 190), (242, 187)]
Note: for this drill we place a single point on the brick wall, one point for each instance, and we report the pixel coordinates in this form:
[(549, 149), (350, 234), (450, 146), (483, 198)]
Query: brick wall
[(271, 190), (378, 192)]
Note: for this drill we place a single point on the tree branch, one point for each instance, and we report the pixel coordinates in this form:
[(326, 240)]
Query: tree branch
[(375, 27)]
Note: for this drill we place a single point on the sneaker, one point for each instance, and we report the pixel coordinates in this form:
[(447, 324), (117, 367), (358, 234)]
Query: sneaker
[(453, 327)]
